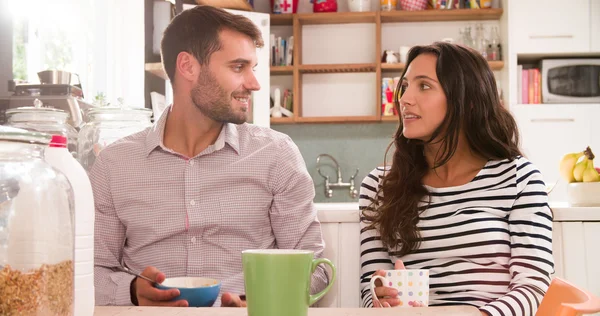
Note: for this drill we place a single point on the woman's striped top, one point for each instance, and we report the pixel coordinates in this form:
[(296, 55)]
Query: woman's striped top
[(487, 243)]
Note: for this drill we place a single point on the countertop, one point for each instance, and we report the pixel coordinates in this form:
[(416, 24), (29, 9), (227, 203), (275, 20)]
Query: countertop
[(348, 212), (178, 311)]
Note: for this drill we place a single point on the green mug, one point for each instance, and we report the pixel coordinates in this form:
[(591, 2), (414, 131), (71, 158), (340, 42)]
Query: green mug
[(278, 281)]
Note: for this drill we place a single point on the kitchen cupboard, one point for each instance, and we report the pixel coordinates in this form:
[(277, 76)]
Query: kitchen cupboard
[(551, 26)]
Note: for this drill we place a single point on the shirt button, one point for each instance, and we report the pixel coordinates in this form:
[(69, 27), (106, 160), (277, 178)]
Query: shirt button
[(193, 240), (192, 162), (192, 202)]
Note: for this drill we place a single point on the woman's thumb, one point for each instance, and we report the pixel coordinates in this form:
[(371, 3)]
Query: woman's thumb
[(399, 265)]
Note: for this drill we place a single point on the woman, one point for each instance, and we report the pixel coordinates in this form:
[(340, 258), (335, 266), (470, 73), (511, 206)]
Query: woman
[(458, 199)]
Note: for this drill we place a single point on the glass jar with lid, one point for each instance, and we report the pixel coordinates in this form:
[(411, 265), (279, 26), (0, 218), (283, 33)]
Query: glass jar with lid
[(38, 118), (36, 229), (105, 125)]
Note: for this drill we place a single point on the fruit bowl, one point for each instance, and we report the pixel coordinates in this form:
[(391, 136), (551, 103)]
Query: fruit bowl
[(584, 194)]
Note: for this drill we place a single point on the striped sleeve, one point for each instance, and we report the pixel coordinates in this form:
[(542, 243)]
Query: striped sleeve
[(531, 262), (373, 255)]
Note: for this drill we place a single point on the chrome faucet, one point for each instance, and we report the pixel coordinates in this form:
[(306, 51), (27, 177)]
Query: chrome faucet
[(338, 184)]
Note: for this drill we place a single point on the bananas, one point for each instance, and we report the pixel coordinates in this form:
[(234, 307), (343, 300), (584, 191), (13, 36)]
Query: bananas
[(579, 167), (567, 166)]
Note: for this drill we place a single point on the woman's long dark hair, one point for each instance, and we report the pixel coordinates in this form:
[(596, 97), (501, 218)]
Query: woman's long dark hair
[(474, 108)]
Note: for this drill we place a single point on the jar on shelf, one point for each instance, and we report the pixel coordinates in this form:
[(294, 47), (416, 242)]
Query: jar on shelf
[(36, 229), (38, 118), (388, 5), (106, 125)]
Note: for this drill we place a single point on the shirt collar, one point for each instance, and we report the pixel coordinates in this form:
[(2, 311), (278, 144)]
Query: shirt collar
[(229, 135)]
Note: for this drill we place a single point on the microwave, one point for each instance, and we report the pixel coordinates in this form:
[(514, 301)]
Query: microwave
[(570, 80)]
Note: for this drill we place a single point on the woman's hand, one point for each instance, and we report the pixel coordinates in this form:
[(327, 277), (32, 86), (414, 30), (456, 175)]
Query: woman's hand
[(388, 296)]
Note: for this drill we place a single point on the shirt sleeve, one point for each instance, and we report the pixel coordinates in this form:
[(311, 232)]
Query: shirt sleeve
[(373, 255), (293, 214), (111, 287), (531, 262)]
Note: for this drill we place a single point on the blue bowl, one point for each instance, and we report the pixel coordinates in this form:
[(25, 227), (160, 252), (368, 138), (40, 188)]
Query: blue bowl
[(198, 292)]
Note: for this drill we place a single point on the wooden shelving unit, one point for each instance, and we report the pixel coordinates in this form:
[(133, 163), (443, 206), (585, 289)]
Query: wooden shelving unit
[(336, 68), (494, 65), (282, 19), (441, 15), (156, 69), (281, 70), (338, 119), (390, 119), (282, 120), (297, 21), (392, 67), (337, 18)]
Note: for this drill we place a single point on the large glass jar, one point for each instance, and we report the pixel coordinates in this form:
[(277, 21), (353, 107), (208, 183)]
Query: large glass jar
[(49, 120), (36, 229), (105, 125)]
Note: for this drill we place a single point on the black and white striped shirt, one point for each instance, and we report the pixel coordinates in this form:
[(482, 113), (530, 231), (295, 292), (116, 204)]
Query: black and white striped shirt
[(487, 243)]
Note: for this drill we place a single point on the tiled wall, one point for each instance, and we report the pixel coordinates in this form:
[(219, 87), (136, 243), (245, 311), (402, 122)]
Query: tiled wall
[(353, 145)]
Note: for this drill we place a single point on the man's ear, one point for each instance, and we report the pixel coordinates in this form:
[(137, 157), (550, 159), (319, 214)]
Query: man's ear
[(187, 66)]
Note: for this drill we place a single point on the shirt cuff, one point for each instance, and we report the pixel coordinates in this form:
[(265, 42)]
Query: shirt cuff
[(123, 293)]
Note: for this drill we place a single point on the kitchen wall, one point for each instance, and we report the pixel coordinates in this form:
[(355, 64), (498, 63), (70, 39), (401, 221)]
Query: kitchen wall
[(5, 47), (352, 145)]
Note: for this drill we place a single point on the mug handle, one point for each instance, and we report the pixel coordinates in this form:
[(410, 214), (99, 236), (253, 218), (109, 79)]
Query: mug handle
[(315, 297), (373, 279)]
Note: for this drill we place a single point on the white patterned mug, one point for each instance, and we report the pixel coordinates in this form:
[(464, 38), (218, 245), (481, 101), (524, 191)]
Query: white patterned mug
[(412, 285)]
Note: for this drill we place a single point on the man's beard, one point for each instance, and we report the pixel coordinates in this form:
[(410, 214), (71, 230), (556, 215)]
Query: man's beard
[(214, 102)]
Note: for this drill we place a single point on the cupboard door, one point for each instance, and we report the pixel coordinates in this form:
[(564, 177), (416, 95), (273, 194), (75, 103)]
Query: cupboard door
[(331, 234), (550, 26), (595, 30), (549, 131), (580, 254)]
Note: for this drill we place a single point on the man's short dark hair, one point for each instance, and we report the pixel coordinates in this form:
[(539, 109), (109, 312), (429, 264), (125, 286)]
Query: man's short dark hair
[(196, 31)]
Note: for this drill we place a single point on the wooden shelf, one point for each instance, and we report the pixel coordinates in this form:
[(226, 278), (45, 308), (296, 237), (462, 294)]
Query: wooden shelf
[(392, 67), (495, 65), (337, 18), (441, 15), (336, 68), (332, 119), (282, 70), (282, 120), (338, 119), (282, 19), (156, 69), (390, 118)]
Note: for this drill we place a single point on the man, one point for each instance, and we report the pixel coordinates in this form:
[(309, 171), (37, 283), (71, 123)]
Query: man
[(187, 196)]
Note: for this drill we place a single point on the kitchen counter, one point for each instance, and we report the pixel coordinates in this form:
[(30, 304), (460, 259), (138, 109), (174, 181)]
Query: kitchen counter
[(349, 213), (178, 311)]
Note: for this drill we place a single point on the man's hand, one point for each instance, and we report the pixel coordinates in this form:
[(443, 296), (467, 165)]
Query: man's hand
[(148, 295), (232, 300)]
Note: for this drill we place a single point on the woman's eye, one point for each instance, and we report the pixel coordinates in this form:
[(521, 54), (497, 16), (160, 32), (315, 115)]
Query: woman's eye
[(425, 86)]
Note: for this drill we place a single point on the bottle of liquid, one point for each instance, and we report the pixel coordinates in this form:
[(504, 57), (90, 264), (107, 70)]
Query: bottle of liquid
[(467, 38), (495, 44), (480, 41), (59, 157)]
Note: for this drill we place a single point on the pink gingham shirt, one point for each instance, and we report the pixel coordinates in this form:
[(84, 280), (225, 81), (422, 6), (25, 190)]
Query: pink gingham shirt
[(194, 217)]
